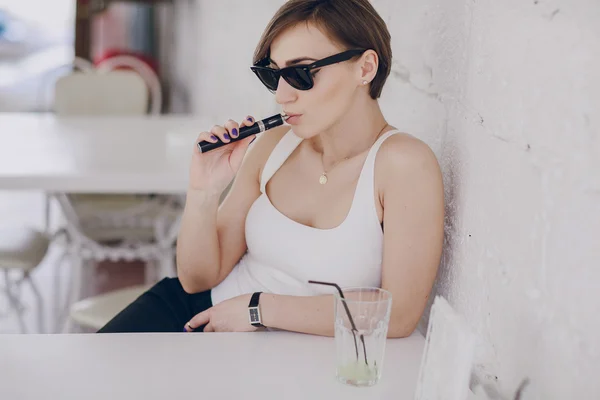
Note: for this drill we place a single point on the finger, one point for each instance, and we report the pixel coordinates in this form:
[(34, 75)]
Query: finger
[(204, 137), (209, 328), (233, 128), (221, 133), (198, 320), (249, 120), (207, 136)]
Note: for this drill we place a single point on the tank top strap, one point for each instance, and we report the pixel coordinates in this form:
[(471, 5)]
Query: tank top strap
[(282, 150), (365, 190)]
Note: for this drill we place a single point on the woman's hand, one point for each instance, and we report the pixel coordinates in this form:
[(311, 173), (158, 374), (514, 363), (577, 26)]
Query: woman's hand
[(215, 169), (229, 316)]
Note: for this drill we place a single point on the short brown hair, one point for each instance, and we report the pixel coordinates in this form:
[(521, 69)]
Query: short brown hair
[(351, 23)]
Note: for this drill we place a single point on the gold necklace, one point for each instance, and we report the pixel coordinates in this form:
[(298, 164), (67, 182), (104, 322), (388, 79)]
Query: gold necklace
[(323, 178)]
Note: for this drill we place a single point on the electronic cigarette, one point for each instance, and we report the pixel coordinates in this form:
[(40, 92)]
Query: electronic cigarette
[(245, 131)]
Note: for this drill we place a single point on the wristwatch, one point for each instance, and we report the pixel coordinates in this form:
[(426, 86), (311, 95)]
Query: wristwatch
[(254, 311)]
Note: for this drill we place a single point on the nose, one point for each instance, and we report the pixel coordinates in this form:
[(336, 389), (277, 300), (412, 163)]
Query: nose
[(285, 93)]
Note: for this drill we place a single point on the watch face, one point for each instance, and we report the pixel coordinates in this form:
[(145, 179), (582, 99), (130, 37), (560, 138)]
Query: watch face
[(254, 315)]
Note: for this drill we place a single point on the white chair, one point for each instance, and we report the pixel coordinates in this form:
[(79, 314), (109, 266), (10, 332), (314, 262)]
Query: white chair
[(157, 252), (119, 92), (102, 90), (94, 91), (113, 226), (21, 251), (95, 312)]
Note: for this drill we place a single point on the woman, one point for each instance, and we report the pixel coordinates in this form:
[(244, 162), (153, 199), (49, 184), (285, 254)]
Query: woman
[(338, 196)]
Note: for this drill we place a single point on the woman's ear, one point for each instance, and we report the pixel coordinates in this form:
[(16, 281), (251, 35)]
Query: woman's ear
[(369, 62)]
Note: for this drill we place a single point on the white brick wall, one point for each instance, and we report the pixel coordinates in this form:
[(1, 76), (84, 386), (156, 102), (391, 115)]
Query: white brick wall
[(507, 94), (228, 31)]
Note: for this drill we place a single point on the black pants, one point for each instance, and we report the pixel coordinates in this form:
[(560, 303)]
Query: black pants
[(165, 307)]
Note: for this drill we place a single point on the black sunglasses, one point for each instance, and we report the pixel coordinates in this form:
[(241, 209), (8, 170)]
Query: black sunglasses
[(298, 76)]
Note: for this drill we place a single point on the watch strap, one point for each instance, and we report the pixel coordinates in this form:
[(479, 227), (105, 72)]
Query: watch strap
[(254, 310)]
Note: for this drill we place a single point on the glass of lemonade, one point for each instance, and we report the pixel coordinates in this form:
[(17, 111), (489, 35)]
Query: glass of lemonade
[(361, 337)]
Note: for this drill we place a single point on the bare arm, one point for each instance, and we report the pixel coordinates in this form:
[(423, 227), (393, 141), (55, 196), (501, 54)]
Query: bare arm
[(212, 237), (413, 203)]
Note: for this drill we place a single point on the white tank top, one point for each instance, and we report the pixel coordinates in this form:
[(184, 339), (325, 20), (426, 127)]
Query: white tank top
[(283, 255)]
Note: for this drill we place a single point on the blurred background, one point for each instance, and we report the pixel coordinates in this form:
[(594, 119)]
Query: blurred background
[(115, 74), (39, 40), (99, 79), (506, 93)]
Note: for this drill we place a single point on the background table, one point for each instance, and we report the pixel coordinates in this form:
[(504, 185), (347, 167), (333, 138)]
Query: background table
[(142, 154), (258, 365)]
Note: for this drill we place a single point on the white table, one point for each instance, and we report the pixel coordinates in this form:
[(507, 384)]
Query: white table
[(265, 365), (142, 154)]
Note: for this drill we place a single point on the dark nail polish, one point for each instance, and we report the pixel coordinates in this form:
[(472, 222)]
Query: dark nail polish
[(249, 119), (213, 137), (234, 132), (185, 330), (226, 136)]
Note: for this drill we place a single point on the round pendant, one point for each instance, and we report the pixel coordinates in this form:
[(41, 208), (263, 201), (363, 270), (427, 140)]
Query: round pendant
[(323, 179)]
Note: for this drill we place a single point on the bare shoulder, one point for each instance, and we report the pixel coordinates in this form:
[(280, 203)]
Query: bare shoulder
[(403, 150), (402, 154), (264, 144)]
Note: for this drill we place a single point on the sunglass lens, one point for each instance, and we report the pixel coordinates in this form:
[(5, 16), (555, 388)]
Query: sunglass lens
[(298, 78), (269, 78)]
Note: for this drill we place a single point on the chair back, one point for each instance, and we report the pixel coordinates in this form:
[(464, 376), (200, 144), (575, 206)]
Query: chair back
[(119, 92)]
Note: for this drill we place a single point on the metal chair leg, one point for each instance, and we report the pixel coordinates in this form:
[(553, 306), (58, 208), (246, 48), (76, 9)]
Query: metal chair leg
[(47, 211), (39, 300), (58, 306), (14, 302), (72, 293), (80, 277)]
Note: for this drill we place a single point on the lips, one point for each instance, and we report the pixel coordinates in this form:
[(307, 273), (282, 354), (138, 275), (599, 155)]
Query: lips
[(294, 119)]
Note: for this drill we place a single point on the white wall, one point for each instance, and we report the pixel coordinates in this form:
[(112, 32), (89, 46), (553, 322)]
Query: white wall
[(519, 83), (228, 31), (507, 93)]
